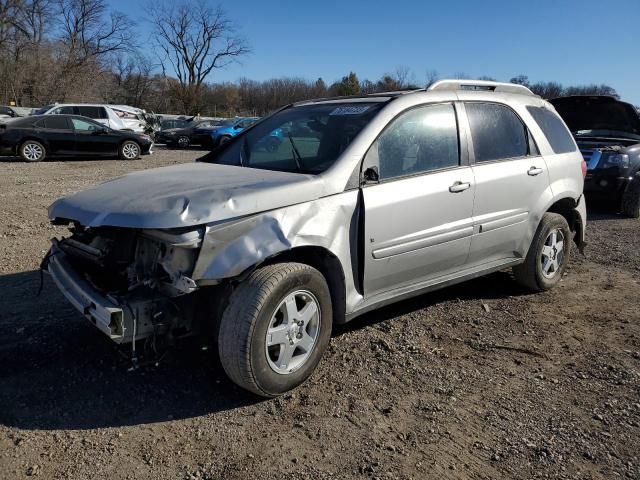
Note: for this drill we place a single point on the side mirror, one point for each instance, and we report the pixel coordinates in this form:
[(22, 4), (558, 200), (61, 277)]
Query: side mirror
[(371, 175), (100, 131)]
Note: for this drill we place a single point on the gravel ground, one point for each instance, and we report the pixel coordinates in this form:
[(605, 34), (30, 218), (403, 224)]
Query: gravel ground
[(481, 380)]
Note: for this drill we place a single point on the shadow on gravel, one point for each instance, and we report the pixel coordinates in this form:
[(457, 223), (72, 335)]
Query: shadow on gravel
[(59, 372), (494, 286)]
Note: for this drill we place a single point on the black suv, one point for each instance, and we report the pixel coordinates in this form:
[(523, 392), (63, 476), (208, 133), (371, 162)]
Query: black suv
[(608, 134)]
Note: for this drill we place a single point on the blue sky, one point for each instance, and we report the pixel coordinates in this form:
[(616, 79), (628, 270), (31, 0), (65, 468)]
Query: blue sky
[(571, 41)]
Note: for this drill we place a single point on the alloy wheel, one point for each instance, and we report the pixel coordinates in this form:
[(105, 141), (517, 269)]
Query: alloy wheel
[(130, 151), (552, 256), (32, 151), (293, 332)]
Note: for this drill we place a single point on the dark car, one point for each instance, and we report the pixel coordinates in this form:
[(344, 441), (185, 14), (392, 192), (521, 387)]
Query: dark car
[(197, 132), (37, 137), (9, 111), (608, 134)]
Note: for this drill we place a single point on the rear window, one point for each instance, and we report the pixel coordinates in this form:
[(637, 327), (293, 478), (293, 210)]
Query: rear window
[(497, 132), (554, 129), (92, 112)]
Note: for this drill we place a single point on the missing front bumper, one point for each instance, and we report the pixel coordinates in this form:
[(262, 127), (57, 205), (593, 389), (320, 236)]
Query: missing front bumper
[(122, 320)]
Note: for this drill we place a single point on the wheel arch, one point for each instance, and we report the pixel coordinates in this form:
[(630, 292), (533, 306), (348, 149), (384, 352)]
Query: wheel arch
[(567, 207), (33, 138), (326, 263)]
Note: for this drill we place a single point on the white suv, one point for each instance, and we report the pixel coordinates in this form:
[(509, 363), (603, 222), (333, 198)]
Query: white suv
[(105, 114), (364, 201)]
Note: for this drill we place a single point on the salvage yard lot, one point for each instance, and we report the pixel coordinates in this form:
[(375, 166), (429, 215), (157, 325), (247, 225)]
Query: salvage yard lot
[(481, 380)]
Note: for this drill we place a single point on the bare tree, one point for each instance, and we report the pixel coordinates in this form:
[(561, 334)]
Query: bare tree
[(195, 39), (431, 77), (90, 31)]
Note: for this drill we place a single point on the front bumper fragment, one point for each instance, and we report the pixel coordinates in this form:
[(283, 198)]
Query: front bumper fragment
[(120, 320)]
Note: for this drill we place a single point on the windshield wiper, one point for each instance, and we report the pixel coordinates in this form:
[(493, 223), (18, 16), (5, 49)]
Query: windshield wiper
[(296, 154)]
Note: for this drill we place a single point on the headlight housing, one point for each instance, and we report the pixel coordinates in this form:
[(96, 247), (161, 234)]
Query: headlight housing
[(615, 160)]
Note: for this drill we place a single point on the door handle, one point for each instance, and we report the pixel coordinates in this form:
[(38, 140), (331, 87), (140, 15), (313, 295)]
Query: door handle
[(533, 171), (459, 187)]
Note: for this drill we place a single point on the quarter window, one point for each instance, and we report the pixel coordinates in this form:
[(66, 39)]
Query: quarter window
[(420, 140), (497, 132), (554, 129)]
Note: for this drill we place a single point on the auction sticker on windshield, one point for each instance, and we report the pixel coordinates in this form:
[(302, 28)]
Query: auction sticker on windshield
[(353, 110)]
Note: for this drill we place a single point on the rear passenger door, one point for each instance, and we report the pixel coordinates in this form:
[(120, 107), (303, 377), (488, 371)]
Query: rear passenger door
[(511, 178), (418, 214), (57, 134)]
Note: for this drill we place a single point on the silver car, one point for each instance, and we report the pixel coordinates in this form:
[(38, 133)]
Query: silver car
[(365, 201)]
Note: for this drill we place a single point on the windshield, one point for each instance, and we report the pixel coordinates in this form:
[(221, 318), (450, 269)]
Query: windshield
[(305, 139)]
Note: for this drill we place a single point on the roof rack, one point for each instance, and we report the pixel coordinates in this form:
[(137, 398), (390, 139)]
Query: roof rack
[(480, 85)]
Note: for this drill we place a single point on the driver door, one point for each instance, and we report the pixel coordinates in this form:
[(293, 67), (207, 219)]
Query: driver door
[(418, 214), (93, 138)]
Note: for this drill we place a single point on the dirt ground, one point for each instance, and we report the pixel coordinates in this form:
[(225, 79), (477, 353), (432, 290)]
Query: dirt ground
[(480, 381)]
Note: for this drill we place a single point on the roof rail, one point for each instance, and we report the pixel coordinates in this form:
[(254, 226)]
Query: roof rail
[(481, 85)]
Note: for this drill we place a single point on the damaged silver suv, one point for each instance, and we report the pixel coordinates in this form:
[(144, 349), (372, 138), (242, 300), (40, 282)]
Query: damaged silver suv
[(364, 201)]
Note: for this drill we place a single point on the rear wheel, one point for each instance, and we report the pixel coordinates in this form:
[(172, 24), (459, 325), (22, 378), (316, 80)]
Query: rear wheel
[(548, 255), (32, 151), (129, 150), (631, 198), (276, 328), (184, 141), (224, 139)]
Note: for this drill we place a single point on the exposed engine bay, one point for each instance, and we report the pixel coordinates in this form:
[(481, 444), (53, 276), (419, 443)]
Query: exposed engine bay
[(141, 277)]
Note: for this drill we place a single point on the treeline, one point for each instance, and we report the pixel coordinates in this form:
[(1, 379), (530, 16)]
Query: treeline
[(81, 51)]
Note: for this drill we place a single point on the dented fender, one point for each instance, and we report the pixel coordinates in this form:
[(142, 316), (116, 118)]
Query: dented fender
[(233, 247)]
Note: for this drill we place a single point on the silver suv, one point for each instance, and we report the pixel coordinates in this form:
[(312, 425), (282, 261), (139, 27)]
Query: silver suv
[(364, 201)]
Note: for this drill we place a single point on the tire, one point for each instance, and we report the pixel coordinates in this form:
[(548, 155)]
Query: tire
[(129, 150), (32, 151), (261, 303), (631, 198), (546, 260), (183, 142), (224, 139)]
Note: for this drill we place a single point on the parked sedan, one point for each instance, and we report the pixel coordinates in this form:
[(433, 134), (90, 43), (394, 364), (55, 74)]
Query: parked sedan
[(196, 132), (9, 111), (37, 137)]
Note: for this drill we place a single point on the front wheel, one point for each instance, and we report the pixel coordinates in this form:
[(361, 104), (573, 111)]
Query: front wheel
[(276, 328), (224, 139), (32, 151), (129, 150), (548, 255)]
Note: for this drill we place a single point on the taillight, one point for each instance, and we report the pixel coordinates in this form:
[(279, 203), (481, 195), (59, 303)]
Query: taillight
[(583, 166)]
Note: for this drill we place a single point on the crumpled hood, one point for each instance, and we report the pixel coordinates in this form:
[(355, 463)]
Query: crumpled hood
[(185, 195)]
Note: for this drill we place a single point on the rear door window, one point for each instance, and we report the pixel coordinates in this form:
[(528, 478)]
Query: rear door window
[(554, 129), (92, 112), (497, 132), (56, 123)]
